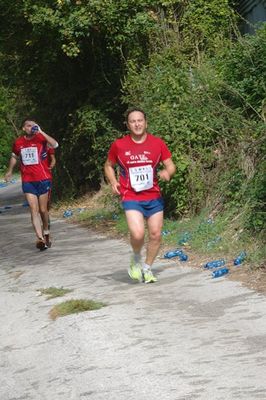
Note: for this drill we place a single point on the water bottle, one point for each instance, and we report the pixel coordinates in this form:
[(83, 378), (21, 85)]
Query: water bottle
[(68, 213), (173, 253), (183, 257), (220, 272), (214, 242), (185, 238), (239, 259), (176, 253), (165, 233), (35, 129), (215, 264)]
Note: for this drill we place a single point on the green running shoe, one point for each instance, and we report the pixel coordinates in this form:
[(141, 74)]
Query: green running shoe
[(134, 270), (148, 276)]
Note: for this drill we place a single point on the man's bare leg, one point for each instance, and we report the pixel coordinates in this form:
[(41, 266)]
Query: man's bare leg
[(136, 226), (154, 224), (44, 212), (32, 200), (43, 207)]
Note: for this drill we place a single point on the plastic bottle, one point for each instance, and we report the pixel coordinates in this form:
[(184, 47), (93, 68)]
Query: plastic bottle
[(214, 242), (185, 238), (183, 257), (176, 253), (173, 253), (215, 264), (68, 213), (220, 272), (35, 129), (239, 259)]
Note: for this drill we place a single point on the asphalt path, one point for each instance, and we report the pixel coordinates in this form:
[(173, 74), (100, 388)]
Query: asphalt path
[(186, 337)]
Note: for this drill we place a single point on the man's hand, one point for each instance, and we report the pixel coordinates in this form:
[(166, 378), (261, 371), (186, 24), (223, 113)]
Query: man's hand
[(168, 171), (164, 175), (115, 187), (8, 176)]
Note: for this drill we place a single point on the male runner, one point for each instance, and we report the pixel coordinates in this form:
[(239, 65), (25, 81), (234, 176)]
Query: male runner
[(138, 155), (51, 160), (31, 150)]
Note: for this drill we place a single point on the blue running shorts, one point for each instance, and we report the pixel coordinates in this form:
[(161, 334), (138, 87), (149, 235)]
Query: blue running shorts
[(147, 208), (37, 188)]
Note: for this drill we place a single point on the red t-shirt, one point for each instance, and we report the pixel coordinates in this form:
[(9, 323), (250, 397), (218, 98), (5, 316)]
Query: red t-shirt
[(33, 158), (138, 163)]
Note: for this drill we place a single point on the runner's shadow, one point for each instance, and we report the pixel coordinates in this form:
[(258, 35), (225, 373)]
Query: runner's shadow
[(119, 276)]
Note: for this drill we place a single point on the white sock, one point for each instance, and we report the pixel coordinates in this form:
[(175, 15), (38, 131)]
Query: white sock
[(146, 267), (46, 232)]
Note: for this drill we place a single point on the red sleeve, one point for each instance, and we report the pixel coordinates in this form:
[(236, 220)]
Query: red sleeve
[(50, 150), (166, 153), (112, 154)]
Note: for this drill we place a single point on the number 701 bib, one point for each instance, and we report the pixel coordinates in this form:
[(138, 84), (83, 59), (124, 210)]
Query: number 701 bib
[(141, 178)]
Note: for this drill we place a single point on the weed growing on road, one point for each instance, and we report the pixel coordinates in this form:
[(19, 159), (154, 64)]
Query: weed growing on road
[(53, 292), (73, 307)]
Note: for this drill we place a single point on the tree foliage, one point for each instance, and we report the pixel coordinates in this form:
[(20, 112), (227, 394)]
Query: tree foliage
[(75, 65)]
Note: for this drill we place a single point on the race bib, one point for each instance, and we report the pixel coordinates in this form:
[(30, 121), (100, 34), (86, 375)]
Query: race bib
[(141, 178), (29, 156)]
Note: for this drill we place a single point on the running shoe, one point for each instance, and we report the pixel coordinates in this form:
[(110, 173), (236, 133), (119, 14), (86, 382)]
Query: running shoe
[(41, 245), (148, 276), (134, 270), (47, 241)]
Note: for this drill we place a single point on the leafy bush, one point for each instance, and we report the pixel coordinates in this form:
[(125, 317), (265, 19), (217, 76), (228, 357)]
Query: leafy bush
[(7, 126), (201, 114), (85, 146)]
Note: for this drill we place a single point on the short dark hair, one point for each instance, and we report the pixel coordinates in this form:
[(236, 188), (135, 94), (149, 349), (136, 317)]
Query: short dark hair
[(132, 109), (25, 120)]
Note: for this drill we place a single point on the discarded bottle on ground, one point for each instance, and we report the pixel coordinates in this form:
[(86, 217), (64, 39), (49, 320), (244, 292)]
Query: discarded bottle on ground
[(220, 272), (183, 257), (176, 253), (173, 253), (239, 259), (185, 238), (68, 213), (214, 264)]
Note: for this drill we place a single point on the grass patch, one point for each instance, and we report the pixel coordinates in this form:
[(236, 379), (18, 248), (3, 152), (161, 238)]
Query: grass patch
[(53, 292), (73, 307), (104, 220), (214, 233), (221, 236)]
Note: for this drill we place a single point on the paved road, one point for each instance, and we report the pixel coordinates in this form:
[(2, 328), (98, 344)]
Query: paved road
[(187, 337)]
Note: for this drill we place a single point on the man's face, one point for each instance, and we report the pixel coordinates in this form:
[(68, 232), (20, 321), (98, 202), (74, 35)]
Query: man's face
[(27, 127), (137, 123)]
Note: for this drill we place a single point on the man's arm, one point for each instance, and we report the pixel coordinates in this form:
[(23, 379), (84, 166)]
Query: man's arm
[(110, 175), (12, 163), (49, 139), (168, 171), (53, 161)]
